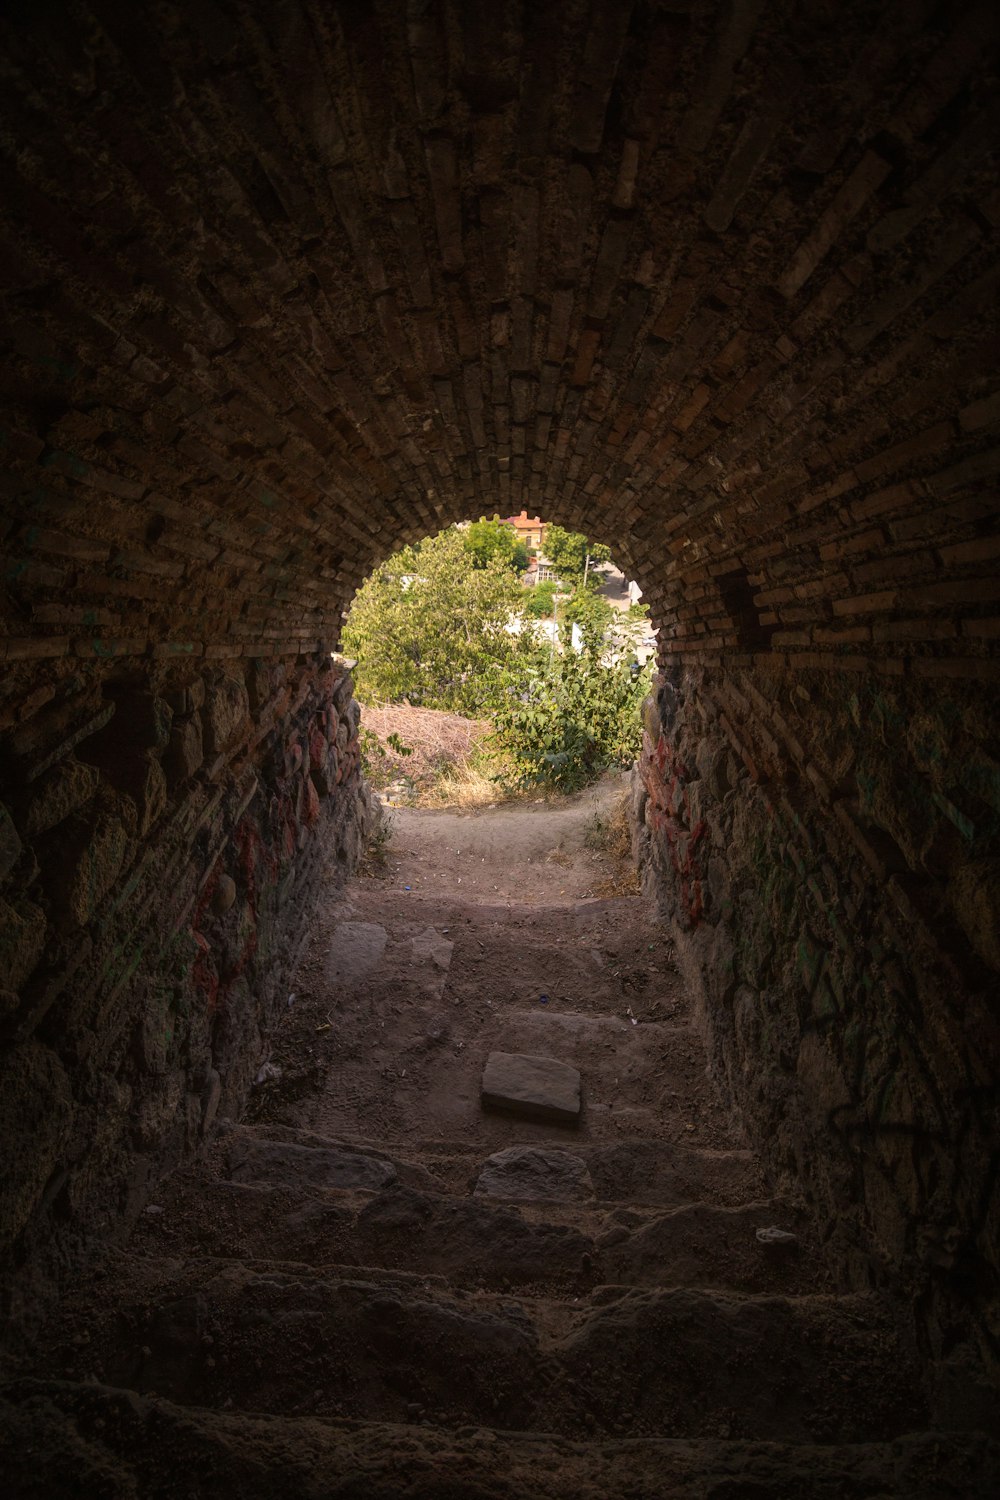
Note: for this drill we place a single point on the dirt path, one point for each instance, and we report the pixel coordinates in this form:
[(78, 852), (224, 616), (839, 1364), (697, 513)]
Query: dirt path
[(484, 933), (375, 1288)]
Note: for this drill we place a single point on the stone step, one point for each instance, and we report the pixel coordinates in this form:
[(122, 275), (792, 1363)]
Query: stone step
[(639, 1076), (61, 1438), (288, 1338), (476, 1242), (604, 963), (632, 1170)]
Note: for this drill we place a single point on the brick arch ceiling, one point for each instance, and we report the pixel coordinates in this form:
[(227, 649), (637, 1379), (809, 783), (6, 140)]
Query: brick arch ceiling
[(290, 284)]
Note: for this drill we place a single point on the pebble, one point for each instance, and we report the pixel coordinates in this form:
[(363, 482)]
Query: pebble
[(772, 1235)]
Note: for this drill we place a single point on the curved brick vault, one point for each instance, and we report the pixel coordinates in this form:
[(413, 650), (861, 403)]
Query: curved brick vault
[(290, 284)]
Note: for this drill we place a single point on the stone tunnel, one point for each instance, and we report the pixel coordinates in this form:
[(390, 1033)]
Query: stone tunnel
[(289, 285)]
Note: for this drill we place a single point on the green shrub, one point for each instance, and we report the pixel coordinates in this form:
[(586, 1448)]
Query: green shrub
[(569, 719)]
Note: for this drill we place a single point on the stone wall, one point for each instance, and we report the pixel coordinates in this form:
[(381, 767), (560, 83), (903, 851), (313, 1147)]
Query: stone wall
[(162, 834), (828, 857)]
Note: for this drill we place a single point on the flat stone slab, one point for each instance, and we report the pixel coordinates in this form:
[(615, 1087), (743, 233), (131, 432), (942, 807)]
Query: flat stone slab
[(538, 1088), (356, 948), (282, 1164), (432, 960), (529, 1174)]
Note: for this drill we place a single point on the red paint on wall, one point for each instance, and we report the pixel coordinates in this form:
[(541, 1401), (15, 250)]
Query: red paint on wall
[(665, 779)]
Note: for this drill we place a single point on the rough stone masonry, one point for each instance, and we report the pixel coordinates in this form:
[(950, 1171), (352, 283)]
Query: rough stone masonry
[(286, 286)]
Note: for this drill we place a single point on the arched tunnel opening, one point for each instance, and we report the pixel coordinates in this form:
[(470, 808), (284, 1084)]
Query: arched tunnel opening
[(288, 286)]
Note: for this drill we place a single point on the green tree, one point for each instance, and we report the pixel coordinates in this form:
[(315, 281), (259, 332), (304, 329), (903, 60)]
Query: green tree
[(490, 541), (569, 719), (430, 625), (539, 599), (568, 551), (592, 612)]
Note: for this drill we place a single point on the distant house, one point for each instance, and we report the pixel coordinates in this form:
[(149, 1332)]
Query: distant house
[(530, 529), (539, 570)]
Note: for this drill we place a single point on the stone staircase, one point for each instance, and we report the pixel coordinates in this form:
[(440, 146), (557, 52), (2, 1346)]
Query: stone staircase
[(496, 1307)]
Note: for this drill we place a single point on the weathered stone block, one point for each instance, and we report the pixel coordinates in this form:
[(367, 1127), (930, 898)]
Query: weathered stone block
[(224, 895), (22, 941), (145, 718), (35, 1113), (187, 699), (309, 810), (227, 707), (57, 795), (91, 859), (157, 1114), (155, 1033), (143, 779), (318, 749), (975, 897), (711, 765), (527, 1173), (258, 685), (211, 1096), (49, 737), (540, 1088), (326, 778), (342, 692), (185, 753), (314, 1166), (10, 843)]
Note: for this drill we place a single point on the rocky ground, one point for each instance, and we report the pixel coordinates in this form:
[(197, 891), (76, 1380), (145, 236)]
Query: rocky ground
[(374, 1287)]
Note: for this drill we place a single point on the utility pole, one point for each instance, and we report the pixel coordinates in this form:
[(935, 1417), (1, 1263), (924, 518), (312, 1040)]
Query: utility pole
[(586, 568)]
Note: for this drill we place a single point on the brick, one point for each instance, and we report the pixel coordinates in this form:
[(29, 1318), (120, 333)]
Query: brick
[(900, 454), (979, 669), (34, 648), (864, 604), (985, 413), (103, 646), (915, 630), (885, 501), (954, 244), (897, 566), (751, 148), (981, 549), (844, 636), (950, 592), (865, 541), (443, 170), (988, 629), (866, 178), (675, 309)]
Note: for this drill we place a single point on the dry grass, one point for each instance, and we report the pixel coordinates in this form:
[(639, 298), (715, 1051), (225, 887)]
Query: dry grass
[(465, 784), (446, 767), (434, 737), (375, 856), (611, 835)]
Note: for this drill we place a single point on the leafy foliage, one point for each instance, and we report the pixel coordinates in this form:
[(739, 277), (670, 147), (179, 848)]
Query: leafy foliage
[(430, 626), (495, 541), (567, 551), (539, 600), (592, 612), (374, 755), (572, 719)]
